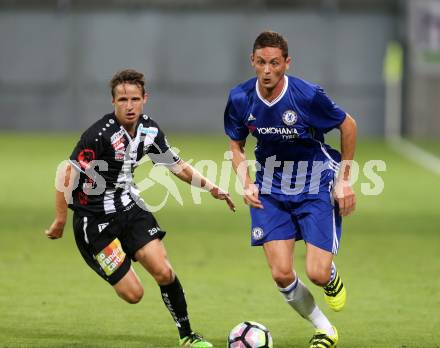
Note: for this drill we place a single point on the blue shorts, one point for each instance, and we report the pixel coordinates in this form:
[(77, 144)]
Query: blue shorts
[(314, 218)]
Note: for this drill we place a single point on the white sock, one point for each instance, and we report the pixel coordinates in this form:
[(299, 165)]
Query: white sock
[(301, 300)]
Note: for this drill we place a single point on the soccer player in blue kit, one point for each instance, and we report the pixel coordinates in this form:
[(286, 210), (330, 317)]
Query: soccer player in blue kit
[(301, 189)]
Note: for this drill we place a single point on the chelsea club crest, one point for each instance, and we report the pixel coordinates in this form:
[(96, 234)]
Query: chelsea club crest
[(257, 233), (289, 117)]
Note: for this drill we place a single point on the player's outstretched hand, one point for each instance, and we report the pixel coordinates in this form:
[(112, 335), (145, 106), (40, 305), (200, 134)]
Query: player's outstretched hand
[(251, 197), (218, 193), (55, 230), (345, 196)]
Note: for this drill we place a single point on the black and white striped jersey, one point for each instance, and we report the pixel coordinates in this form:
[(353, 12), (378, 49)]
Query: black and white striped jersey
[(106, 156)]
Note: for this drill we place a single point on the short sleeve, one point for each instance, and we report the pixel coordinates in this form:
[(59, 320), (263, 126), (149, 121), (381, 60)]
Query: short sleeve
[(160, 151), (325, 114), (86, 150), (235, 128)]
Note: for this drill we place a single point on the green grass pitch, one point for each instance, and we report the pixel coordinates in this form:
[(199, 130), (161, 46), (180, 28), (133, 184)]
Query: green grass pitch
[(389, 260)]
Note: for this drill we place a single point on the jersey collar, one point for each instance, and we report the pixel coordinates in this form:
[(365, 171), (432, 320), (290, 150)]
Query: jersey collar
[(277, 99), (141, 117)]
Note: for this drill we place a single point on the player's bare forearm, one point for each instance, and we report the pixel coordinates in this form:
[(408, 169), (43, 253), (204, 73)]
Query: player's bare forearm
[(239, 163), (188, 174), (63, 179), (60, 208), (348, 130), (343, 192)]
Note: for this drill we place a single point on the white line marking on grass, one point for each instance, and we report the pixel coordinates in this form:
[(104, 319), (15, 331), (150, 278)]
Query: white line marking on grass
[(416, 154)]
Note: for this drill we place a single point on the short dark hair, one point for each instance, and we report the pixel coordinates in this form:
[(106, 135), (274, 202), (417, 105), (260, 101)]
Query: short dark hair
[(130, 76), (271, 39)]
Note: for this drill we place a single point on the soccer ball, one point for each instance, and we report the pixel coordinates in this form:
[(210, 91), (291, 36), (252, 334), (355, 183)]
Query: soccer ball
[(250, 334)]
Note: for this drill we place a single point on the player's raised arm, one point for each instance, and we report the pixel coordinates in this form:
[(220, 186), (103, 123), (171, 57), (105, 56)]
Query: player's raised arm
[(239, 163), (62, 196), (343, 192), (188, 174)]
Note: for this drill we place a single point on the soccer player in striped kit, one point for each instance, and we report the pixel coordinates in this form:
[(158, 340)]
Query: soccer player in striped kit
[(111, 223), (301, 191)]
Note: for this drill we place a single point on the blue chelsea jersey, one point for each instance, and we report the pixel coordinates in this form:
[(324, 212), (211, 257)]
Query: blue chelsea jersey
[(291, 155)]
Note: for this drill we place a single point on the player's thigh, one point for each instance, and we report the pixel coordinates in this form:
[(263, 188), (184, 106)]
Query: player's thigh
[(153, 257), (100, 249)]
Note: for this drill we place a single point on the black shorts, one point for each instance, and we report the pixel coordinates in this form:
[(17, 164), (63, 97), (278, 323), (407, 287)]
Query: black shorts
[(108, 242)]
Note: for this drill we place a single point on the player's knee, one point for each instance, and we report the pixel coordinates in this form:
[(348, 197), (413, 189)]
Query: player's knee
[(283, 278), (132, 295), (164, 275), (318, 277)]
